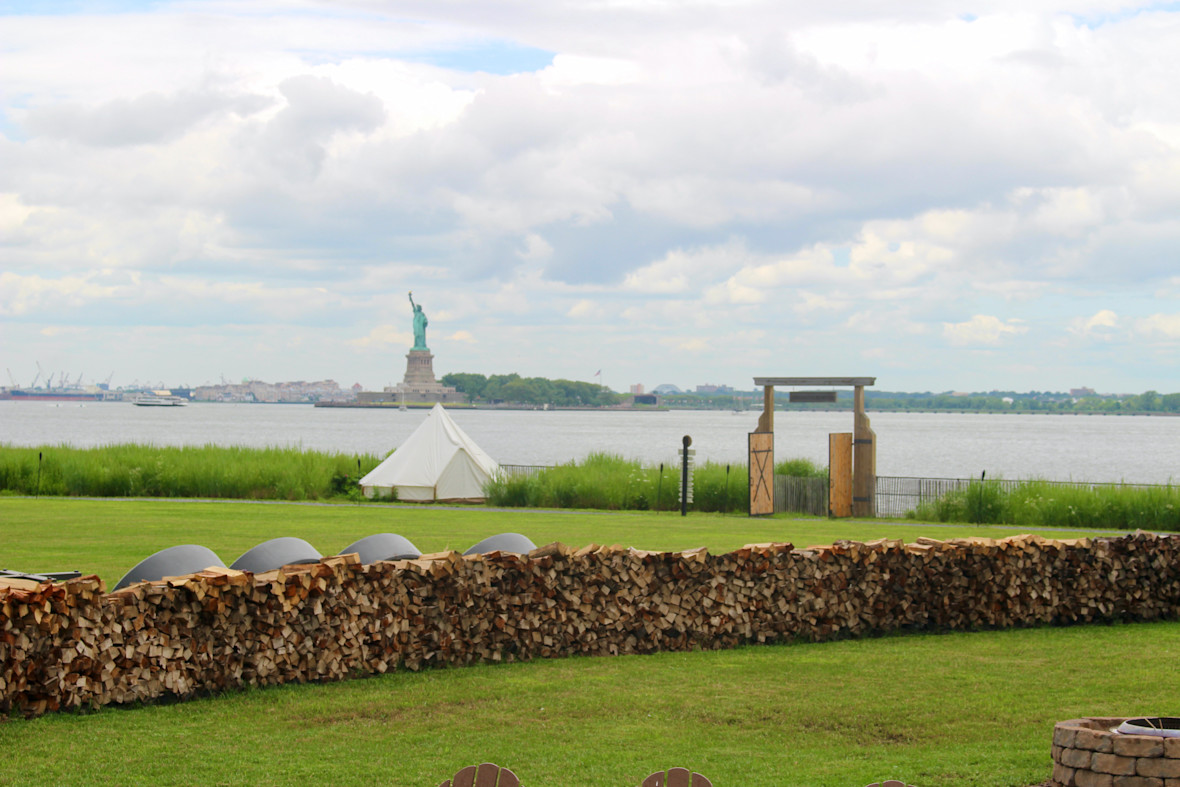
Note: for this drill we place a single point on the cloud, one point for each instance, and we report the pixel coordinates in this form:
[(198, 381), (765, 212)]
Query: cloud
[(153, 118), (982, 329), (1159, 327), (674, 173), (1098, 326), (383, 337)]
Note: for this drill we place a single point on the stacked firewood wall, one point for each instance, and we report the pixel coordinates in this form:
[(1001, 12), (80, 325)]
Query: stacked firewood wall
[(69, 645)]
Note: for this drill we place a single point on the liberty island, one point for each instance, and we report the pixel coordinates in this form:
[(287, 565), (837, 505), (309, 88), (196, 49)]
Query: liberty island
[(418, 386)]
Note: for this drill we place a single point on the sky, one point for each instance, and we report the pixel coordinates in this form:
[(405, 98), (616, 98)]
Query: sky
[(943, 195)]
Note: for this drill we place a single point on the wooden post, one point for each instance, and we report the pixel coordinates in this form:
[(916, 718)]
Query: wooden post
[(864, 464), (766, 420), (840, 474), (761, 458)]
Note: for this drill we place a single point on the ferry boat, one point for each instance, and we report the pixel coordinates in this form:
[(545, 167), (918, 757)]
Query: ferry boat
[(159, 399)]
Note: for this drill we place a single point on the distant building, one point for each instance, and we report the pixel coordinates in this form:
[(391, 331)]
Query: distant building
[(637, 388), (666, 388), (259, 391), (1078, 393), (709, 388)]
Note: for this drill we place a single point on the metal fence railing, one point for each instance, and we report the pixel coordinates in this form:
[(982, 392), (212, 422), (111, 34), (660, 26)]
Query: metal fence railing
[(515, 471), (898, 495)]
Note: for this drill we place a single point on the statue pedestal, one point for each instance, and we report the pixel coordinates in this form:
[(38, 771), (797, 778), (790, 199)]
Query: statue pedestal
[(418, 387), (419, 369)]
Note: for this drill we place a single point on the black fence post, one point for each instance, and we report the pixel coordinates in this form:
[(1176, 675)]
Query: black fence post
[(659, 487), (725, 500)]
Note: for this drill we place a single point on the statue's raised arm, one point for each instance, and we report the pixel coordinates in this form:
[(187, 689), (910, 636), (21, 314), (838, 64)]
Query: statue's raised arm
[(420, 323)]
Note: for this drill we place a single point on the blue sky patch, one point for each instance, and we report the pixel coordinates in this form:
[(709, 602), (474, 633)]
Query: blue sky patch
[(490, 57), (1094, 21), (75, 7)]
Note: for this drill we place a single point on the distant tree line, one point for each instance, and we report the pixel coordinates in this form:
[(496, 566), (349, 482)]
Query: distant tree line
[(991, 401), (514, 389)]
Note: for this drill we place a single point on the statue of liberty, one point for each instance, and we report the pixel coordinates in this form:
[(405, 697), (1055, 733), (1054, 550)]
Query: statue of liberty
[(420, 323)]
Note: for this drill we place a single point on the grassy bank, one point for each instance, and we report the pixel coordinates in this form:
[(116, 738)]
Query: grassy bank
[(837, 714), (612, 483), (1044, 504), (193, 471)]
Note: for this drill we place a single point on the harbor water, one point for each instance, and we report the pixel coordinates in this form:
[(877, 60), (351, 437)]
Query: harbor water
[(1136, 449)]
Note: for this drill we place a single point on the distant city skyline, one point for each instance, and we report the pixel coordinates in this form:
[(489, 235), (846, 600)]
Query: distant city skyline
[(943, 196)]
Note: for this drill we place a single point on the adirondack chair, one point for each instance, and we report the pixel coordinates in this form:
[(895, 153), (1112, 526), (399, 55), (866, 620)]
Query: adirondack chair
[(676, 777), (484, 775), (890, 783)]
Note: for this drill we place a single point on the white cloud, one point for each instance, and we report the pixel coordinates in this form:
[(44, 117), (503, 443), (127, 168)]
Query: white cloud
[(383, 337), (1164, 327), (802, 170), (982, 329), (1098, 325)]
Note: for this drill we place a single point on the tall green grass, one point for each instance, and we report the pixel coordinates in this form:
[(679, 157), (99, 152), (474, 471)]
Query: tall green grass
[(134, 470), (610, 482), (1045, 504)]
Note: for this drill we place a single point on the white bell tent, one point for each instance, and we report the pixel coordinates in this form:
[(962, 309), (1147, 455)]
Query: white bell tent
[(437, 462)]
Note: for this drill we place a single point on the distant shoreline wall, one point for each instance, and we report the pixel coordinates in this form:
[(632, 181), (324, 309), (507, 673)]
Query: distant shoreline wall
[(71, 645)]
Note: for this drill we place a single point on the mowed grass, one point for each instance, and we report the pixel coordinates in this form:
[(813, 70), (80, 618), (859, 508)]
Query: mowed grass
[(958, 709), (109, 536), (954, 709)]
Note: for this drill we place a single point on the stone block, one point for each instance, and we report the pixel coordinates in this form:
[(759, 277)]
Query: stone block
[(1172, 748), (1137, 746), (1064, 732), (1076, 758), (1112, 763), (1161, 768), (1137, 781), (1094, 740), (1062, 774), (1092, 779)]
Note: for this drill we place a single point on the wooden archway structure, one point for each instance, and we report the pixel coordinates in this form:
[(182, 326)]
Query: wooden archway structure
[(863, 456)]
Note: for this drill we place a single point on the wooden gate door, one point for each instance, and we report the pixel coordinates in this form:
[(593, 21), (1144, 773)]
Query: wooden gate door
[(840, 474), (761, 473)]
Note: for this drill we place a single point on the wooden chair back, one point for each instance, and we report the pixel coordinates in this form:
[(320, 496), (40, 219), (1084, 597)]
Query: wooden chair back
[(483, 775), (676, 777)]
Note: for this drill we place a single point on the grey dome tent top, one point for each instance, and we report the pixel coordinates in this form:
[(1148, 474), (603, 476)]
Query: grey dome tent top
[(503, 542), (383, 546), (275, 553), (171, 562)]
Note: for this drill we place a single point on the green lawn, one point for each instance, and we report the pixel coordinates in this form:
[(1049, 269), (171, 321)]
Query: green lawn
[(955, 709), (109, 536)]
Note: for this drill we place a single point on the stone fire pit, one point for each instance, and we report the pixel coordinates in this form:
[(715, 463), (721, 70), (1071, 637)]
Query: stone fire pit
[(1089, 753)]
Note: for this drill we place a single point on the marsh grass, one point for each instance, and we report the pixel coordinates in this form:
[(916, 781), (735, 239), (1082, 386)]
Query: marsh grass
[(1046, 504), (135, 470), (611, 483)]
